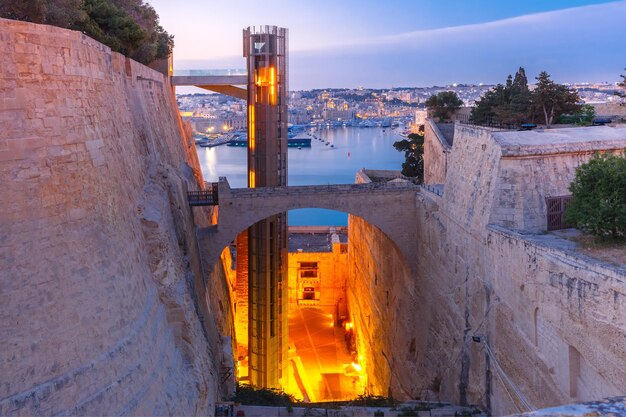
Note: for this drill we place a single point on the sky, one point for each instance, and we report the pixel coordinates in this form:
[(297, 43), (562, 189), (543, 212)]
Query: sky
[(414, 43)]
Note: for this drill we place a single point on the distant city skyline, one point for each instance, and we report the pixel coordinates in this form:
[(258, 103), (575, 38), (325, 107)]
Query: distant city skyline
[(395, 43)]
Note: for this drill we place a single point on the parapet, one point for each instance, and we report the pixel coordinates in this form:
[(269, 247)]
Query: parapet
[(504, 177)]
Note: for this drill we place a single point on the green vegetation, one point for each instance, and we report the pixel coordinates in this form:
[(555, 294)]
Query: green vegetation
[(444, 104), (373, 401), (582, 118), (552, 99), (507, 104), (598, 203), (514, 104), (127, 26), (413, 149), (468, 413), (247, 395)]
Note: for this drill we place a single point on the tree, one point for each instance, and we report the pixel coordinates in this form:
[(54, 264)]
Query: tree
[(552, 100), (26, 10), (508, 104), (622, 84), (444, 104), (62, 13), (598, 203), (483, 111), (413, 149), (127, 26)]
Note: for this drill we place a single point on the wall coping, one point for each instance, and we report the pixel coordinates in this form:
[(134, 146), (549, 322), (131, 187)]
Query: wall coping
[(565, 248), (440, 137)]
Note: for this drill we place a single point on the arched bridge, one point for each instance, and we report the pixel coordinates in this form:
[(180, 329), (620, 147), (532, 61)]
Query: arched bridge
[(390, 206)]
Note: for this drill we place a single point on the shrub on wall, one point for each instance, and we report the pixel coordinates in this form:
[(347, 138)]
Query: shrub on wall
[(599, 197), (130, 27), (444, 104), (413, 149)]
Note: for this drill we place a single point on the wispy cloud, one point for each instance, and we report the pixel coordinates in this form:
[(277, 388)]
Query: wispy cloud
[(583, 43)]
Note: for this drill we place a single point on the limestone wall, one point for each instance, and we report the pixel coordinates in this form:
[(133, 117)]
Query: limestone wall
[(553, 318), (527, 174), (436, 150), (386, 307), (610, 109), (538, 304), (389, 314), (559, 311), (97, 242), (471, 176)]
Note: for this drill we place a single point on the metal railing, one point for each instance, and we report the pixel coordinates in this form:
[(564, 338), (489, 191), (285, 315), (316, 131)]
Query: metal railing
[(494, 124), (436, 189), (207, 197), (210, 72)]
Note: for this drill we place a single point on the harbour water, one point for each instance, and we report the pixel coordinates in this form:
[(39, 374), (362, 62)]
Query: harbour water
[(352, 148)]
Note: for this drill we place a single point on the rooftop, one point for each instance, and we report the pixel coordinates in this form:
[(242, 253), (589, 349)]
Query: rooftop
[(315, 241), (564, 140)]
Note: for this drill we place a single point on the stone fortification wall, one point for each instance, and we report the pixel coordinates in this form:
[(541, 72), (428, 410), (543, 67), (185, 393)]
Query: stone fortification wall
[(98, 252), (471, 176), (436, 150), (389, 313), (541, 164), (386, 308), (610, 109), (553, 318), (504, 177)]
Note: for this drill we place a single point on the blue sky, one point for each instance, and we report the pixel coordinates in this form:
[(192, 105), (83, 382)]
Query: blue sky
[(385, 43)]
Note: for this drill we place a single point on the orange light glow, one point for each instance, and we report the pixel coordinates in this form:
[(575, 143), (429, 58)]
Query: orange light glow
[(251, 128), (266, 77), (272, 86), (251, 179)]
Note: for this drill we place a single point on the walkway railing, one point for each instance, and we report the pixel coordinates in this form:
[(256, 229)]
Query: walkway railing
[(436, 189), (494, 124), (207, 197)]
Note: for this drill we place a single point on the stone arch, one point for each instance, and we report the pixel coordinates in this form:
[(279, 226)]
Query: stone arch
[(390, 209)]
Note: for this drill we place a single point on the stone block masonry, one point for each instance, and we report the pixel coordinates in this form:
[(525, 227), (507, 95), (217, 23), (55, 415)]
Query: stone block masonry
[(553, 318), (97, 250)]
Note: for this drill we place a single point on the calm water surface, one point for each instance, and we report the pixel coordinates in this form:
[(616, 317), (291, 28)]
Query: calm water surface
[(354, 148)]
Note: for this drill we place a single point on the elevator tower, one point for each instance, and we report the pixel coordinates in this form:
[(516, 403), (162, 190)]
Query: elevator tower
[(266, 51)]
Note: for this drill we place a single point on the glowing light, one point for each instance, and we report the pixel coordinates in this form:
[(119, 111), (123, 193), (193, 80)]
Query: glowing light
[(225, 127), (349, 325), (357, 367), (266, 77), (251, 179), (251, 128), (272, 86)]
